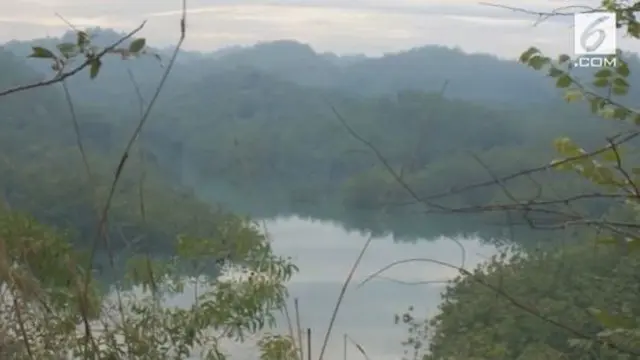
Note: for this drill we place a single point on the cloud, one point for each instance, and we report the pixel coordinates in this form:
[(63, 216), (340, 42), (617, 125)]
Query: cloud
[(371, 29), (369, 26), (56, 22), (491, 21)]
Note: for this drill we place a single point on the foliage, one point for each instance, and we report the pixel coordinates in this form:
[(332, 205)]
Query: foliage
[(578, 302), (278, 347), (51, 304), (476, 323), (250, 118), (44, 294), (258, 117)]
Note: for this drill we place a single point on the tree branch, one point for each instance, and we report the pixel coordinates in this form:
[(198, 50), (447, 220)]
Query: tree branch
[(63, 75)]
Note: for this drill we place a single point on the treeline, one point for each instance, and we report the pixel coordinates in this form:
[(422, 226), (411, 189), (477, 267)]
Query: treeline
[(42, 171), (250, 118), (259, 129), (255, 130)]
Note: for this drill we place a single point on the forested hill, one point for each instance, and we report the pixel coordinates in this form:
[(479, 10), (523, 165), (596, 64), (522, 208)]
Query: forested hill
[(287, 130), (42, 172), (262, 116), (425, 69), (475, 77)]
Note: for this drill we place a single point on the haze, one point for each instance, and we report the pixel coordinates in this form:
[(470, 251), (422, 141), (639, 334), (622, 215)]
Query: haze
[(357, 26)]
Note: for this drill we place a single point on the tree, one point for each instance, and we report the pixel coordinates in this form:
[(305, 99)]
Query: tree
[(52, 305), (574, 303)]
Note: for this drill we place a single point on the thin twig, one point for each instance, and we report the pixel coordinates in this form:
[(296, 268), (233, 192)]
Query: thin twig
[(617, 140), (542, 16), (383, 160), (23, 332), (125, 154), (358, 346), (76, 130), (143, 172), (341, 296), (63, 75), (296, 306), (511, 299), (102, 231)]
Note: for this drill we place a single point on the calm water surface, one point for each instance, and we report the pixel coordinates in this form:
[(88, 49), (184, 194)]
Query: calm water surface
[(325, 253)]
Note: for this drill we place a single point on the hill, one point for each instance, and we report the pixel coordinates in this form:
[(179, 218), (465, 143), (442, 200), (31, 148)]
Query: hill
[(262, 116), (42, 172)]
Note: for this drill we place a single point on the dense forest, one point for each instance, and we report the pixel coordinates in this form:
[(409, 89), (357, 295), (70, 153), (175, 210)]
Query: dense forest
[(374, 136), (260, 119)]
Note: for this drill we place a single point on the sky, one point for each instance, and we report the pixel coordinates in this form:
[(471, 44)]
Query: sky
[(372, 27)]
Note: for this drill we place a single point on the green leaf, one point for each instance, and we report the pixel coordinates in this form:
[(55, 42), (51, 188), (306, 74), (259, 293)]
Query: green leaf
[(617, 90), (610, 321), (607, 240), (566, 147), (620, 113), (604, 73), (537, 62), (621, 82), (41, 53), (623, 70), (563, 58), (636, 119), (524, 58), (596, 104), (602, 175), (634, 245), (573, 95), (563, 81), (67, 49), (601, 82), (95, 68), (555, 72), (633, 29), (607, 112), (82, 39), (610, 155), (137, 45)]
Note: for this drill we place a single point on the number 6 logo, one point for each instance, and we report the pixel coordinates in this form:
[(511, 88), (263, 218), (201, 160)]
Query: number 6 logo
[(591, 30), (595, 33)]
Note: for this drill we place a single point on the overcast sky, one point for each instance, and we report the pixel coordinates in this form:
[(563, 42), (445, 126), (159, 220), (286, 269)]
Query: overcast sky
[(342, 26)]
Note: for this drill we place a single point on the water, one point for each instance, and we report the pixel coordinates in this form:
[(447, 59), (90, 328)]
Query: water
[(325, 253)]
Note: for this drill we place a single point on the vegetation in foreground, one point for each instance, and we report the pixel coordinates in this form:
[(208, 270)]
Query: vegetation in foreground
[(53, 306), (576, 302)]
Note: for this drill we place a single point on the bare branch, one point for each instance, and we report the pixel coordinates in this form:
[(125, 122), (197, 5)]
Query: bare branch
[(76, 130), (143, 173), (527, 308), (620, 168), (542, 16), (125, 154), (394, 174), (341, 296), (63, 75), (67, 22), (617, 140)]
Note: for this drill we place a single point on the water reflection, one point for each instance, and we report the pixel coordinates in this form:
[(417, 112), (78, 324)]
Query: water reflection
[(403, 224), (325, 253)]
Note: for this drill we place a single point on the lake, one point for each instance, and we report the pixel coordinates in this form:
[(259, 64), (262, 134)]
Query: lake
[(325, 252)]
